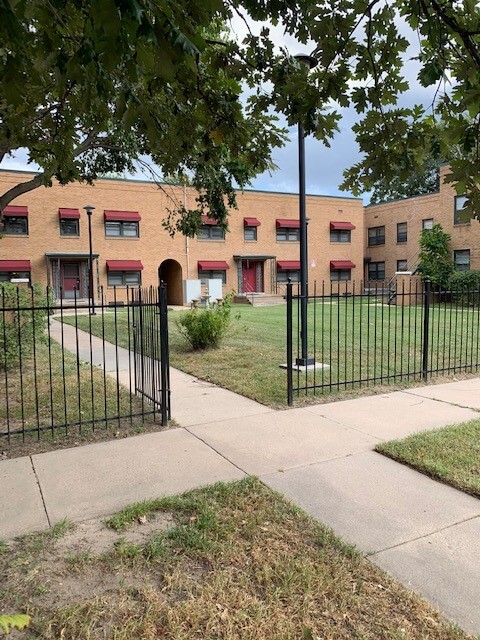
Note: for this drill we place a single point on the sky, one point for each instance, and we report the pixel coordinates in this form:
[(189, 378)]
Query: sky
[(324, 166)]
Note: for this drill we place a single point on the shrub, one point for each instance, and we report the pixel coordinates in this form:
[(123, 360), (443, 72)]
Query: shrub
[(19, 326), (465, 287), (207, 327), (435, 261)]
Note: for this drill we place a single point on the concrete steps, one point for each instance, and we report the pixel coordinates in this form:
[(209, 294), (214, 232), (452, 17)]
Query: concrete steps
[(259, 299)]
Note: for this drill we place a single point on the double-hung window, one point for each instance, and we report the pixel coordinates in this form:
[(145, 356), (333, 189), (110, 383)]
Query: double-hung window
[(402, 232), (461, 259), (124, 278), (121, 229), (460, 202), (376, 236), (210, 232), (122, 224), (376, 270)]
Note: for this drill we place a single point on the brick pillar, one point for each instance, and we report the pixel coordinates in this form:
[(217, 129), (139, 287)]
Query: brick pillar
[(410, 286)]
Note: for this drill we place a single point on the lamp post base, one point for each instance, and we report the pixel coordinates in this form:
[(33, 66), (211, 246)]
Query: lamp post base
[(312, 366), (304, 362)]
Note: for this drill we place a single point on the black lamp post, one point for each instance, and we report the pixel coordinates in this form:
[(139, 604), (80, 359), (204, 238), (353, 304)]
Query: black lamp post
[(310, 62), (91, 297)]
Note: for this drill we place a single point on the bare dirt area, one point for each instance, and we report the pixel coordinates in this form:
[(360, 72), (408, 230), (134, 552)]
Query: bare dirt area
[(228, 562)]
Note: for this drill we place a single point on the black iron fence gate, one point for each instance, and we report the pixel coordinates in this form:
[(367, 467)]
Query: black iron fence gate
[(66, 366), (150, 347), (375, 333)]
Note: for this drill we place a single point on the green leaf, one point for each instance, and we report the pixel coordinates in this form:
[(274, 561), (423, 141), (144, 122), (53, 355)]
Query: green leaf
[(19, 621)]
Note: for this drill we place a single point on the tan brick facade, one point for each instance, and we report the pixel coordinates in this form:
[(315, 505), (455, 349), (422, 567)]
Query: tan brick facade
[(438, 206), (47, 249)]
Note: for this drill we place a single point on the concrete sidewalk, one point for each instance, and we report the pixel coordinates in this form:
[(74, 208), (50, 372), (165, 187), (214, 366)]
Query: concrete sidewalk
[(424, 533)]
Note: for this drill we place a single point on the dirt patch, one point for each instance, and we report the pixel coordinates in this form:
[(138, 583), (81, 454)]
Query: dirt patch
[(94, 537)]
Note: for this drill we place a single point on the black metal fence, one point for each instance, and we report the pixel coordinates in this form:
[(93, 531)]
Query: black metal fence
[(375, 333), (67, 367)]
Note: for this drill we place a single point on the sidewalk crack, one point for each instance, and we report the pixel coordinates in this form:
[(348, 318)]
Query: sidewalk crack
[(371, 554), (41, 492), (216, 451)]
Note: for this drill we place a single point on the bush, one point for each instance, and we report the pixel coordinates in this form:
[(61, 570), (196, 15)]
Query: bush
[(206, 328), (18, 327), (465, 287)]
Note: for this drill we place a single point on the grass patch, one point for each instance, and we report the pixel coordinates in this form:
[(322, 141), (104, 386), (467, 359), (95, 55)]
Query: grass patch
[(238, 562), (451, 454), (36, 402), (357, 339)]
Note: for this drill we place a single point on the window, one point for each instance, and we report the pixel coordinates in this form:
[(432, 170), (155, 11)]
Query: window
[(212, 275), (288, 234), (340, 275), (250, 233), (210, 232), (15, 226), (340, 235), (401, 265), (124, 278), (376, 235), (121, 229), (69, 227), (402, 232), (462, 259), (459, 206), (427, 223), (376, 270), (284, 275)]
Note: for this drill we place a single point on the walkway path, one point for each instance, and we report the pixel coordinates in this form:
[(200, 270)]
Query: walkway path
[(424, 533)]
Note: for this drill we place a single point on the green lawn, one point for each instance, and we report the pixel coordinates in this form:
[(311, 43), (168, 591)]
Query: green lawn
[(451, 455), (357, 340), (230, 561), (39, 403)]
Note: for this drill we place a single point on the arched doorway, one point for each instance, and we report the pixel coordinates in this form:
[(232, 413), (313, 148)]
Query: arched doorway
[(170, 271)]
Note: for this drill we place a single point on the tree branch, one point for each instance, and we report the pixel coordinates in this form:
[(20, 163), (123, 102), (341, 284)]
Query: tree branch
[(453, 23), (20, 189)]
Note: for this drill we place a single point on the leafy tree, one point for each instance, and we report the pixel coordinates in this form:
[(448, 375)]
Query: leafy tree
[(90, 86), (427, 180), (435, 255)]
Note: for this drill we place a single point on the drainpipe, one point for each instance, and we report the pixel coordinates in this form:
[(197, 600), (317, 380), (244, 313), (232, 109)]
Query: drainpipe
[(187, 239)]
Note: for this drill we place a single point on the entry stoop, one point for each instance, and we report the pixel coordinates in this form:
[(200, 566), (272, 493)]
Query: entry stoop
[(260, 299)]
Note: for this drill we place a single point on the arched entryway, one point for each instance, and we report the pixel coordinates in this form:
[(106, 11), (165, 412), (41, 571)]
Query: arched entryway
[(170, 272)]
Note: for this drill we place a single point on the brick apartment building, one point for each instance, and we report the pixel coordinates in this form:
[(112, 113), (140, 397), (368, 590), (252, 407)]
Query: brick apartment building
[(392, 231), (45, 237)]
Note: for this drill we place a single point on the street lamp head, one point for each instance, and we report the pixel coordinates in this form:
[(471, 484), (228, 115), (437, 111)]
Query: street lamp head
[(307, 60), (89, 208)]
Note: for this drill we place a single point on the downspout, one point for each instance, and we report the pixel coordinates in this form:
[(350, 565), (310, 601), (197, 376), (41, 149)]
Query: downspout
[(187, 239)]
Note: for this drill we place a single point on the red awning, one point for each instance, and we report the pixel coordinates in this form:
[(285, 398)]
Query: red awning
[(124, 265), (69, 214), (15, 265), (251, 222), (342, 226), (288, 265), (210, 221), (291, 224), (127, 216), (341, 264), (212, 265), (14, 211)]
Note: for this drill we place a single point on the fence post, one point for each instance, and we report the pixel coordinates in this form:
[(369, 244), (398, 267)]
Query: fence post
[(426, 326), (164, 363), (289, 343)]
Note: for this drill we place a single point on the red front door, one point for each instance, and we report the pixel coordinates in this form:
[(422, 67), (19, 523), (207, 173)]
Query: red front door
[(249, 273), (71, 279)]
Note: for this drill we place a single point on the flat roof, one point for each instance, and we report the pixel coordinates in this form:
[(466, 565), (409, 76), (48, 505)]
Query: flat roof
[(177, 184), (420, 195)]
